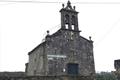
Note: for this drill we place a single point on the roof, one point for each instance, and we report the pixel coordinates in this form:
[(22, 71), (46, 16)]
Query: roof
[(86, 39), (43, 43)]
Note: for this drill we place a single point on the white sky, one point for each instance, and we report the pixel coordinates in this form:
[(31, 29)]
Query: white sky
[(23, 26)]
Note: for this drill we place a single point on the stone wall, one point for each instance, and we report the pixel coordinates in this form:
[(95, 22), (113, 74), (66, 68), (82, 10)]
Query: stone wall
[(117, 67), (48, 78), (12, 74), (36, 63)]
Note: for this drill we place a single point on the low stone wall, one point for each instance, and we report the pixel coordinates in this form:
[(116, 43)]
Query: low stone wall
[(12, 74), (48, 78)]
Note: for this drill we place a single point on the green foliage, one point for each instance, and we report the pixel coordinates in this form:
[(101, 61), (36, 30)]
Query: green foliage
[(105, 76)]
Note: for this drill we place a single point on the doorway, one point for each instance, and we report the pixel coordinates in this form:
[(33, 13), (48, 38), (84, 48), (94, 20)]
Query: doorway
[(72, 68)]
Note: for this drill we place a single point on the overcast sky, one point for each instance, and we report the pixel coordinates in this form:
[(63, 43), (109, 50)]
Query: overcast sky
[(23, 25)]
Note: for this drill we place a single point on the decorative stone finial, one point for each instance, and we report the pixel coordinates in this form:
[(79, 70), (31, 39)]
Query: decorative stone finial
[(69, 4), (63, 5), (48, 32), (47, 38), (90, 38), (74, 7)]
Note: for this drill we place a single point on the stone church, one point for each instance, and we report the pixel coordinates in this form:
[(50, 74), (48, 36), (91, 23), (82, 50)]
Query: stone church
[(65, 52), (117, 67)]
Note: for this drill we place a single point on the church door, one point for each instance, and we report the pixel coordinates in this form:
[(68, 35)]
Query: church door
[(72, 68)]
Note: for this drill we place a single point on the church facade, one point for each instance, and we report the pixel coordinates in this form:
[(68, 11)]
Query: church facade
[(65, 52)]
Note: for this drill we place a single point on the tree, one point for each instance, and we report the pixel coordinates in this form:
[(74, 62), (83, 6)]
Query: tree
[(105, 76)]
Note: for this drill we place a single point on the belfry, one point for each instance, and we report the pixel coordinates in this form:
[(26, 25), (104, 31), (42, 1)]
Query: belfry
[(69, 17)]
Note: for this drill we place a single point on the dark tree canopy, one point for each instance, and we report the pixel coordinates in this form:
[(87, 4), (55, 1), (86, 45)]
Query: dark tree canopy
[(105, 76)]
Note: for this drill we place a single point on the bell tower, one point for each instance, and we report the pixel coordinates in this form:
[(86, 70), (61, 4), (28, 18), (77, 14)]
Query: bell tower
[(69, 17)]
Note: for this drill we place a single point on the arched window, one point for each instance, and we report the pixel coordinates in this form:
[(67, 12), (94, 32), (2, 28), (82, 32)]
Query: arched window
[(73, 20), (67, 19)]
